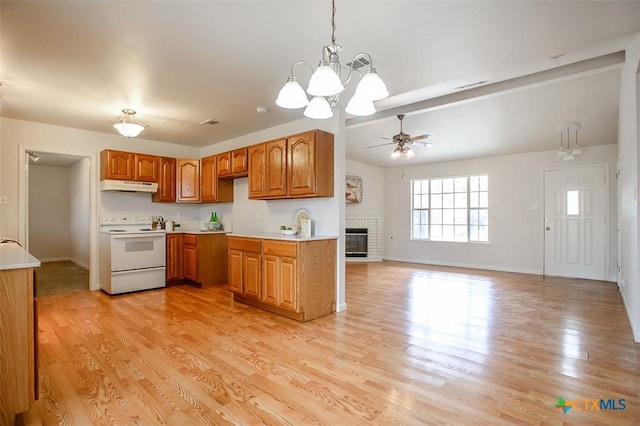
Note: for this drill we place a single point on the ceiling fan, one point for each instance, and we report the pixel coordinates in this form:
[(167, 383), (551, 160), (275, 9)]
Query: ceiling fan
[(403, 142)]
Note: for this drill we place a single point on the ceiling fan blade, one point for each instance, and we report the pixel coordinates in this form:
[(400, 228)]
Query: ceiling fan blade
[(427, 144), (382, 144), (417, 138), (382, 137)]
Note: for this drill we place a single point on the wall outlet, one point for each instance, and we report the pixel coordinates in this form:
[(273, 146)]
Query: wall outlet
[(3, 199)]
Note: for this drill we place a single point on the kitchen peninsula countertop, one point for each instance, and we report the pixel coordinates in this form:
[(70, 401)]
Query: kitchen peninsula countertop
[(12, 256), (279, 236), (196, 231)]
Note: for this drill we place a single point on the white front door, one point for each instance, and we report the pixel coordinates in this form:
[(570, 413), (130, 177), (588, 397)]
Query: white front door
[(575, 222)]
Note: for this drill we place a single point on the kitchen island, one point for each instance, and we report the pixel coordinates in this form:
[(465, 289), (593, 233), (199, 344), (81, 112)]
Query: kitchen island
[(292, 276), (18, 332)]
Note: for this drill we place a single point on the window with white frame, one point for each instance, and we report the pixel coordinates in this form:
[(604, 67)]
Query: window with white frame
[(450, 209)]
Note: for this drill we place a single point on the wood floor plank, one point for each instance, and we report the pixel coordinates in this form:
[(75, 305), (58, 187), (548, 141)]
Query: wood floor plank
[(417, 345)]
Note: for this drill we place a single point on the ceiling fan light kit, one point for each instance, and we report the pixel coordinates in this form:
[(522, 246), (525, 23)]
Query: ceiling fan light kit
[(326, 82), (403, 143), (128, 125), (568, 153)]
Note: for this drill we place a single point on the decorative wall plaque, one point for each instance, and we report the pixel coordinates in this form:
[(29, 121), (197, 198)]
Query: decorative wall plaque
[(353, 189)]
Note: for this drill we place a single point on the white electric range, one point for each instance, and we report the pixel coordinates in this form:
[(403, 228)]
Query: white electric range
[(132, 255)]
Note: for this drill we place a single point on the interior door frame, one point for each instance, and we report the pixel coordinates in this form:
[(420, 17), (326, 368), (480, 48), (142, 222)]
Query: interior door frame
[(23, 203), (607, 218)]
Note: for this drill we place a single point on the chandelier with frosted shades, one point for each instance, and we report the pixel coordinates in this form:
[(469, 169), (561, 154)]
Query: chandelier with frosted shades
[(128, 125), (326, 83), (569, 153)]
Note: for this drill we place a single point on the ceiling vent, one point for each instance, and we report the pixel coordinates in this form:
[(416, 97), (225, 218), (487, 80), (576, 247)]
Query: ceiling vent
[(358, 63), (210, 121)]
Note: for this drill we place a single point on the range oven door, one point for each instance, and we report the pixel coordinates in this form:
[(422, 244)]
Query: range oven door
[(137, 251)]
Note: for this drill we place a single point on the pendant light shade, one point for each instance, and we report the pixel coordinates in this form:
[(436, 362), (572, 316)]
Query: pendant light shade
[(360, 106), (128, 125), (324, 82), (372, 87), (292, 95), (318, 108)]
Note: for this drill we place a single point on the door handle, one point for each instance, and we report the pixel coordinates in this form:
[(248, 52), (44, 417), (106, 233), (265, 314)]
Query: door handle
[(548, 228)]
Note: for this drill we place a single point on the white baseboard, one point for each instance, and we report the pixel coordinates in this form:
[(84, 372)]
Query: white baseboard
[(65, 259), (54, 259), (362, 259), (635, 331), (341, 307), (80, 264), (466, 265)]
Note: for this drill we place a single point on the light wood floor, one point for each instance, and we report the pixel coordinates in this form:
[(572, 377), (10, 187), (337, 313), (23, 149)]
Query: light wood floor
[(417, 345)]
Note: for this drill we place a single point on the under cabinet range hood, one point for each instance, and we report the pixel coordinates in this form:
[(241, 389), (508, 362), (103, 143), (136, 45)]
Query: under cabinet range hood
[(128, 186)]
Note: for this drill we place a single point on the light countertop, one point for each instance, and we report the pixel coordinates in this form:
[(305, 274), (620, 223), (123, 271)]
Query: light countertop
[(279, 236), (195, 231), (12, 256)]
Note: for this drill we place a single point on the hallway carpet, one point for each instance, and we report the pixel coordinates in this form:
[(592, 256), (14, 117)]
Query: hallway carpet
[(60, 277)]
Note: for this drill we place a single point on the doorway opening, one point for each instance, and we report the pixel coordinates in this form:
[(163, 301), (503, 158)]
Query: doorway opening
[(58, 219)]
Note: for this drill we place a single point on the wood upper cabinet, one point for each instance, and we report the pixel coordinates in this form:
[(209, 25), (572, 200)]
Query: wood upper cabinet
[(214, 190), (233, 163), (298, 166), (257, 170), (275, 168), (188, 180), (310, 164), (174, 257), (146, 168), (117, 165), (209, 191), (121, 165), (166, 181), (268, 170)]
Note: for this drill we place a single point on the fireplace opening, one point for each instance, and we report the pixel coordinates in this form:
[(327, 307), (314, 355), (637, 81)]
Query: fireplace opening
[(356, 242)]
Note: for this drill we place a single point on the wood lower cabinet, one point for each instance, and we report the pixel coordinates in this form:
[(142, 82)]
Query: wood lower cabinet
[(296, 279), (245, 266), (205, 258), (188, 180), (166, 181), (18, 343), (175, 256)]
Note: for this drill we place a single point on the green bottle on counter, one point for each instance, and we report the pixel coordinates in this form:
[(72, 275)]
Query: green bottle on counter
[(214, 217)]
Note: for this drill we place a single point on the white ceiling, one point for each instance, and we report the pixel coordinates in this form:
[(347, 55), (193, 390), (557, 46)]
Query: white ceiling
[(77, 64)]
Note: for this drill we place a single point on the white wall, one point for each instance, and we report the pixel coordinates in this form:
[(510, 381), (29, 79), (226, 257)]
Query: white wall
[(49, 201), (372, 190), (515, 229), (629, 157), (79, 212)]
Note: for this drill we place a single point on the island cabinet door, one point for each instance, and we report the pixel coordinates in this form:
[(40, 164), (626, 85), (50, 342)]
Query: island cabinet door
[(251, 278), (235, 271), (288, 284), (270, 278)]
